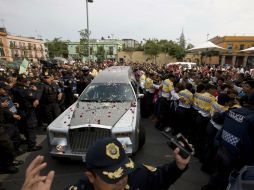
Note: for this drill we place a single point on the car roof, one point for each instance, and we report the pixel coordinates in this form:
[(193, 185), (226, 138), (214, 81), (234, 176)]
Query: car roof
[(115, 74)]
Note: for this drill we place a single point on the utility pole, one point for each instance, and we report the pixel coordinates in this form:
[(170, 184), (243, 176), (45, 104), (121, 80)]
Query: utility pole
[(87, 26)]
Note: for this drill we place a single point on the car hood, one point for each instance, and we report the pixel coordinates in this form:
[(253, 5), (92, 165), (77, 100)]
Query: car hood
[(98, 113)]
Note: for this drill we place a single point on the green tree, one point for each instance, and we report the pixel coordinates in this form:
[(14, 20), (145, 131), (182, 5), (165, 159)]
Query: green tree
[(100, 54), (57, 48), (152, 48), (182, 41), (189, 46), (83, 45)]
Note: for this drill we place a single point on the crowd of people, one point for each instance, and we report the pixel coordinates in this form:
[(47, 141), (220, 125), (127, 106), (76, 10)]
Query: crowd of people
[(212, 107)]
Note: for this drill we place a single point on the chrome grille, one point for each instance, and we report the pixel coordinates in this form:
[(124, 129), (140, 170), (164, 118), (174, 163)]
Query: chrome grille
[(82, 138)]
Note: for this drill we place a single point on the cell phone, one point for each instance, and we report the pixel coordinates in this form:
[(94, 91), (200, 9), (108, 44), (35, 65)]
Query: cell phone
[(173, 144), (187, 146)]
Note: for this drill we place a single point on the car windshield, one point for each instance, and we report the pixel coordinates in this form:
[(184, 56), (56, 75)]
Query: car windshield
[(108, 93)]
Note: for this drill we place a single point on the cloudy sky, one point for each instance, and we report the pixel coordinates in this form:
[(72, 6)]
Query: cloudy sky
[(136, 19)]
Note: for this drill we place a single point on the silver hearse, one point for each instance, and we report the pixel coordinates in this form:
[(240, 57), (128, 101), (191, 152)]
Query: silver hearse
[(108, 107)]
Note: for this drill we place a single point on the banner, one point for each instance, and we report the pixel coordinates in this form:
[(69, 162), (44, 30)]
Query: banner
[(23, 67)]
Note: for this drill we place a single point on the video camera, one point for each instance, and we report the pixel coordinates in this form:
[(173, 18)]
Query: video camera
[(179, 141)]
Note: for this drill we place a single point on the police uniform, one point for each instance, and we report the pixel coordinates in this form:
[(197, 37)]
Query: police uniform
[(25, 98), (184, 111), (49, 101), (108, 160), (237, 145)]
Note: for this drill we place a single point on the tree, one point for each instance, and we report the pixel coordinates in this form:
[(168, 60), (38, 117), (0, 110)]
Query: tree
[(152, 48), (189, 46), (182, 41), (100, 54), (57, 48), (83, 45)]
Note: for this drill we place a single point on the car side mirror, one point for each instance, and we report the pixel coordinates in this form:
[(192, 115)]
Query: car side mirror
[(140, 96)]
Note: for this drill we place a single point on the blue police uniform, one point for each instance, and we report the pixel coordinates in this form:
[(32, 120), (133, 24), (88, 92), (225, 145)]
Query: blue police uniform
[(108, 160), (237, 145), (236, 136)]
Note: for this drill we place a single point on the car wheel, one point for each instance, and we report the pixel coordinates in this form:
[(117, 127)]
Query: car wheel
[(142, 137)]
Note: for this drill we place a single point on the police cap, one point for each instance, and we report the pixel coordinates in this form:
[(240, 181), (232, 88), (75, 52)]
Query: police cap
[(4, 86), (107, 158), (22, 78)]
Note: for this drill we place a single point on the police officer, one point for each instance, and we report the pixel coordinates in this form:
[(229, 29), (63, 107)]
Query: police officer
[(7, 160), (83, 79), (28, 101), (49, 98), (10, 117), (108, 168), (236, 144)]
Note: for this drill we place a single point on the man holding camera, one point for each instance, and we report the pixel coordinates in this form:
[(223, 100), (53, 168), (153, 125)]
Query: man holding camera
[(109, 168)]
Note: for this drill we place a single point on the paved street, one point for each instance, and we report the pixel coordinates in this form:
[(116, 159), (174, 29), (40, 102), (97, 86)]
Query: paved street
[(155, 152)]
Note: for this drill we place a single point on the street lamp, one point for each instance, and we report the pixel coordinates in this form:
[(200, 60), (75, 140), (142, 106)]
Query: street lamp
[(88, 31)]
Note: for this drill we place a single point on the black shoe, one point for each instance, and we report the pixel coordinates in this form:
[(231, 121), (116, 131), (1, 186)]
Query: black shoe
[(34, 148), (9, 170)]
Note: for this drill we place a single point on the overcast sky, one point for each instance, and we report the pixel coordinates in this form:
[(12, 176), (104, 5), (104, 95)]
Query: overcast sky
[(135, 19)]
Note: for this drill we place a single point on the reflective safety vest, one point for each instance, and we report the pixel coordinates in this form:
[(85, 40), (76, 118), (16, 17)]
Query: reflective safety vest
[(204, 101), (149, 85), (167, 87), (142, 80), (94, 73), (195, 101), (217, 108), (187, 96), (235, 135)]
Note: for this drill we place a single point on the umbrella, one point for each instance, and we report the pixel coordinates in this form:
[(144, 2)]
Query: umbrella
[(251, 49), (207, 46)]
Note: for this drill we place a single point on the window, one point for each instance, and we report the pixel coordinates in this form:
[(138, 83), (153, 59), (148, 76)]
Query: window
[(1, 51), (108, 93), (111, 50), (230, 46), (241, 46)]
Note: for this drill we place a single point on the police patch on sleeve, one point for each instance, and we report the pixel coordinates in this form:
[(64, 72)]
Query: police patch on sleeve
[(150, 168)]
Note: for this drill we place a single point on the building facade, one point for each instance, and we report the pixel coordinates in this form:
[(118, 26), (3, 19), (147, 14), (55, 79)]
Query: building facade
[(13, 47), (99, 49), (130, 43), (234, 44)]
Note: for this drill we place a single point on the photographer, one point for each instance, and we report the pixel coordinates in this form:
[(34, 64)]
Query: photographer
[(108, 168)]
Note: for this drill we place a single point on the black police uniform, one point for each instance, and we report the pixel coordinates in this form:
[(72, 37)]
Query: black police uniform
[(10, 123), (6, 146), (49, 102), (144, 178), (25, 98), (108, 160), (83, 80)]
